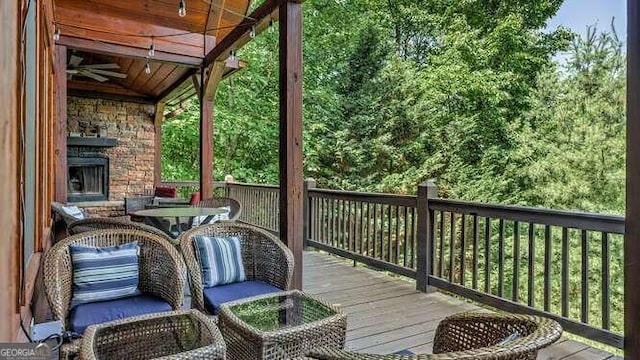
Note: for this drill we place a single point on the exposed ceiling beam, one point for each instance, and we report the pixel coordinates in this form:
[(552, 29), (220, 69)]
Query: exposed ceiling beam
[(165, 95), (239, 36), (126, 51)]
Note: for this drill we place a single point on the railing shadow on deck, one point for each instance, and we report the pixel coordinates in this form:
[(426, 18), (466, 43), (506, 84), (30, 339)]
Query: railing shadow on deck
[(564, 265)]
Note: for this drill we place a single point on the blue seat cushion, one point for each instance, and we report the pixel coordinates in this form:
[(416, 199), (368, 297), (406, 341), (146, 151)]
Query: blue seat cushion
[(99, 312), (403, 352), (217, 295)]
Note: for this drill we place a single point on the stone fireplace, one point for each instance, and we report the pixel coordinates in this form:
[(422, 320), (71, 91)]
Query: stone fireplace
[(103, 170)]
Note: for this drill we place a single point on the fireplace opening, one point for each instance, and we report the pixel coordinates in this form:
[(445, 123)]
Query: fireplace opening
[(88, 178)]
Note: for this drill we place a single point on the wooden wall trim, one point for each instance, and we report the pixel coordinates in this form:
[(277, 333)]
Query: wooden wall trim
[(60, 124), (8, 169)]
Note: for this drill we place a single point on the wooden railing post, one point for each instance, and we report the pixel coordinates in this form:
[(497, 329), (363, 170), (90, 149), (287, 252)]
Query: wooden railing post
[(426, 190), (308, 184), (228, 179)]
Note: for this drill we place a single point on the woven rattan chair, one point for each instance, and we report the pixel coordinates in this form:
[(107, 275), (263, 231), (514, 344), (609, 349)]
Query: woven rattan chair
[(264, 256), (93, 224), (217, 202), (57, 208), (473, 336), (160, 266)]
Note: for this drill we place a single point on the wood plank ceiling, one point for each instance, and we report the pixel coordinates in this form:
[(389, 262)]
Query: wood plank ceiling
[(121, 32)]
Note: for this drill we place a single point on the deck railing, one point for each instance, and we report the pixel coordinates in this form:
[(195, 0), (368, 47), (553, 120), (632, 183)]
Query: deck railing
[(559, 264)]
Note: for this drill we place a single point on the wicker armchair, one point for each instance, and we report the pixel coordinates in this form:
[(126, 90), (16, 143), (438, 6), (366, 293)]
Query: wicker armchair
[(217, 202), (160, 266), (57, 208), (264, 256), (93, 224), (473, 336)]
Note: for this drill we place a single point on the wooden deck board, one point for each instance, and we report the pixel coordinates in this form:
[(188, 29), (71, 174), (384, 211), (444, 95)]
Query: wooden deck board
[(386, 314)]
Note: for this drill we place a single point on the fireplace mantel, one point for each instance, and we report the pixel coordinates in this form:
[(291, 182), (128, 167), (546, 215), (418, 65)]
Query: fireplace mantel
[(91, 141)]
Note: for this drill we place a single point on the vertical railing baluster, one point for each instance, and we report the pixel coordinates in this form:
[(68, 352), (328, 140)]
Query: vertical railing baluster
[(606, 282), (389, 242), (406, 237), (463, 247), (361, 235), (375, 229), (531, 295), (353, 223), (565, 272), (341, 221), (441, 247), (501, 257), (332, 222), (397, 240), (547, 267), (323, 221), (368, 228), (584, 303), (476, 235), (452, 240), (381, 237), (414, 237), (515, 292), (487, 254)]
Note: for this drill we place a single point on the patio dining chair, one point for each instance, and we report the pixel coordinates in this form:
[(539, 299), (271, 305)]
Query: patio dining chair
[(267, 262), (221, 202), (92, 224), (473, 335), (160, 286)]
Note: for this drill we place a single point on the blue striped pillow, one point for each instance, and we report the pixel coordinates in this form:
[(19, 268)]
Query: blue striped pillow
[(220, 260), (104, 273)]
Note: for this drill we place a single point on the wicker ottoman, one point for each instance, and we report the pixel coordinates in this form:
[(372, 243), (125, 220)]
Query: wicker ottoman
[(170, 335), (282, 325)]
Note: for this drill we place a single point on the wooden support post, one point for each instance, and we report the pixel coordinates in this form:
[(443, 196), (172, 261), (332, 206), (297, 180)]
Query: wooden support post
[(209, 81), (426, 190), (60, 124), (308, 184), (632, 223), (206, 149), (157, 160), (291, 176)]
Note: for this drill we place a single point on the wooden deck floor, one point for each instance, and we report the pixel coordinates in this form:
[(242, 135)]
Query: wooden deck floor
[(386, 314)]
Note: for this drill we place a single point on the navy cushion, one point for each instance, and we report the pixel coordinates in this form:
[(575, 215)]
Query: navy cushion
[(215, 296), (84, 315), (403, 352)]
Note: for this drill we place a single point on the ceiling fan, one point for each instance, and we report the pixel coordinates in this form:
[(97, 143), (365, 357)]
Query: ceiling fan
[(98, 72)]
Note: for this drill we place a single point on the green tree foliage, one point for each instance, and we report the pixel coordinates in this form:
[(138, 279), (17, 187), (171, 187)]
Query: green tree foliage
[(397, 92)]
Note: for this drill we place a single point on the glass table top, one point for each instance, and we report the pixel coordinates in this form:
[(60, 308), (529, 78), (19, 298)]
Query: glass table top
[(281, 311)]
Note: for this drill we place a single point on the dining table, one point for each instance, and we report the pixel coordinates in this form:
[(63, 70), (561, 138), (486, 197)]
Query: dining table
[(182, 215)]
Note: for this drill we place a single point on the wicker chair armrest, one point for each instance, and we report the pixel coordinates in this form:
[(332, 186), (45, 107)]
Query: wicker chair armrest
[(58, 281), (274, 262), (331, 353), (162, 272), (194, 273), (483, 331)]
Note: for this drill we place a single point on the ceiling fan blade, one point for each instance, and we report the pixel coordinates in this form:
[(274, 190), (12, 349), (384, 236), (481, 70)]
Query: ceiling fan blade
[(101, 66), (75, 60), (72, 71), (93, 76), (108, 73)]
